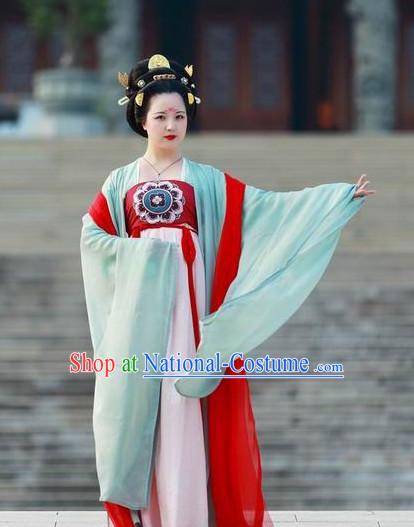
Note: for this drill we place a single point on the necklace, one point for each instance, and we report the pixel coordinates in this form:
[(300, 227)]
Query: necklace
[(159, 201), (163, 170)]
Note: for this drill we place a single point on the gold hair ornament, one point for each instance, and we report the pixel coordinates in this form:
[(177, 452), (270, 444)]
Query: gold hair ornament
[(139, 98), (164, 76), (156, 61), (123, 79)]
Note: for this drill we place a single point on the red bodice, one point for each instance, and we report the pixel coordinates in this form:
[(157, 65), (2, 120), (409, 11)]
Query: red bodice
[(169, 203)]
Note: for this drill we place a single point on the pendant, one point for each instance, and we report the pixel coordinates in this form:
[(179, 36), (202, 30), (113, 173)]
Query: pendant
[(159, 202)]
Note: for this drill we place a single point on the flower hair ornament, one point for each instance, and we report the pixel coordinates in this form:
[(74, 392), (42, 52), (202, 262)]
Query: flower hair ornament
[(156, 62)]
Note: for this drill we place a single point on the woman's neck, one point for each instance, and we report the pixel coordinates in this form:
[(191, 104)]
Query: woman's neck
[(161, 157)]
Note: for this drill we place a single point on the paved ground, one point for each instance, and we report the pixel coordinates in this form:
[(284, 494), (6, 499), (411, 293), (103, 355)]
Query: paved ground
[(281, 518)]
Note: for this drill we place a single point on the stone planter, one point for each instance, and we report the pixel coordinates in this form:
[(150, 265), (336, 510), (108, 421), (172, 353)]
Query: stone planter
[(66, 90), (68, 98)]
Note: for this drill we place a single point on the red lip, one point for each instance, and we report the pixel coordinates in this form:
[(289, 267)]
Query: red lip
[(170, 137)]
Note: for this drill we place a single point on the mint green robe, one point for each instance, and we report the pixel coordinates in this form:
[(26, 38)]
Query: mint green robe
[(288, 239)]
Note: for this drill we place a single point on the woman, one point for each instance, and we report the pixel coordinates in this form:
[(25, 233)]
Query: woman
[(181, 260)]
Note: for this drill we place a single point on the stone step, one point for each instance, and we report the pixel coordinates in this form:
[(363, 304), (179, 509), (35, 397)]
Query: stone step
[(344, 442)]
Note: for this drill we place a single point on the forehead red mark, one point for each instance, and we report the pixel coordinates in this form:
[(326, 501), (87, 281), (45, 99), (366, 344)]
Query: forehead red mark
[(170, 109)]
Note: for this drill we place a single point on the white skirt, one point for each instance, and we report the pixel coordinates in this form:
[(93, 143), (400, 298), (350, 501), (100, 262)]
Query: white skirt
[(179, 496)]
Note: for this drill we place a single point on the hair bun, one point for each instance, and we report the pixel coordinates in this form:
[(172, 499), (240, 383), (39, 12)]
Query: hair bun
[(153, 76)]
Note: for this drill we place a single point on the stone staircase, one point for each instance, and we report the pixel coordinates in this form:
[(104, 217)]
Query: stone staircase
[(326, 444)]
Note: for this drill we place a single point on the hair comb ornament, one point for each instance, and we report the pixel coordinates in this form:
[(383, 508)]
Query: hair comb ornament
[(139, 98), (164, 76), (123, 81), (154, 62), (123, 100), (158, 61), (184, 80)]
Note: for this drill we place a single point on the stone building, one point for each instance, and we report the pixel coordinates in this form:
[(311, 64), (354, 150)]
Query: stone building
[(291, 65)]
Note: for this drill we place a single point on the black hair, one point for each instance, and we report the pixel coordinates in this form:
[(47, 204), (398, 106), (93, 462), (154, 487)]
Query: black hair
[(135, 114)]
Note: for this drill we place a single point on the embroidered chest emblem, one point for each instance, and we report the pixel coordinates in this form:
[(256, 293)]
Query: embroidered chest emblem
[(161, 202)]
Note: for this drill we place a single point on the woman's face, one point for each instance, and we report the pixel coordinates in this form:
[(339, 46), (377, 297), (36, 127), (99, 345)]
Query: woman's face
[(166, 117)]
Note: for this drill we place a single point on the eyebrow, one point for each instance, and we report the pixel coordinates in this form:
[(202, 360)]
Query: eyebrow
[(179, 111)]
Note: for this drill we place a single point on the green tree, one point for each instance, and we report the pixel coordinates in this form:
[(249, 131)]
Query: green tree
[(74, 19)]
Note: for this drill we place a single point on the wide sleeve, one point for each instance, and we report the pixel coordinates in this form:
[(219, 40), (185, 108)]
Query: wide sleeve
[(288, 239), (120, 274), (130, 291)]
